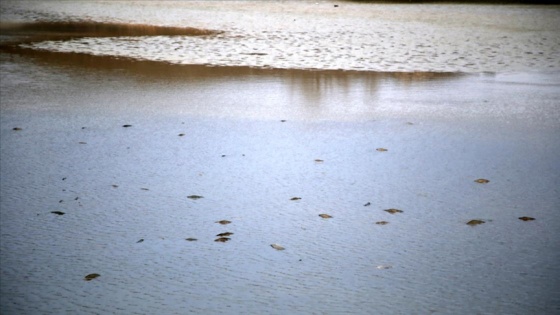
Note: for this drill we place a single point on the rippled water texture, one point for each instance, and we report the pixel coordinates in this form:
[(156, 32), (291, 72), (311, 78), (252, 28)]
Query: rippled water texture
[(310, 35), (116, 173)]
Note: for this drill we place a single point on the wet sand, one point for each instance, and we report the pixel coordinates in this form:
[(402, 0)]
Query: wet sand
[(270, 150)]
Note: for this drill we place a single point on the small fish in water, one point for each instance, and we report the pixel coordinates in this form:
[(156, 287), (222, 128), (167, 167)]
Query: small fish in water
[(223, 222), (381, 222), (115, 186), (191, 239), (325, 216), (91, 276), (144, 188), (57, 212), (295, 198), (82, 142), (140, 240), (482, 181), (277, 247), (17, 129), (222, 239), (283, 120), (475, 222), (381, 149), (384, 267), (526, 218), (194, 197), (126, 126), (367, 204), (181, 134), (319, 161), (393, 211), (224, 234)]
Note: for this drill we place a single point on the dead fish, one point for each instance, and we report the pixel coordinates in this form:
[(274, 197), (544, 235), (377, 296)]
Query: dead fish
[(277, 247), (224, 234), (381, 149), (223, 222), (283, 120), (140, 240), (181, 134), (191, 239), (381, 222), (393, 211), (194, 197), (319, 161), (91, 276), (475, 222), (482, 181), (325, 216), (384, 267), (17, 129), (526, 218), (222, 239), (126, 126), (82, 142), (115, 186), (295, 198), (57, 212), (144, 188), (367, 204)]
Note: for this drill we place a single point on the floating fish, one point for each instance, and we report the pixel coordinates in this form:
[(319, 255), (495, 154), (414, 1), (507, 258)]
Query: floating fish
[(384, 267), (126, 126), (475, 222), (319, 161), (57, 212), (482, 181), (224, 234), (381, 149), (140, 240), (381, 222), (194, 197), (223, 222), (295, 198), (222, 239), (91, 276), (393, 211), (277, 247), (367, 204), (325, 216), (17, 129), (191, 239), (181, 134), (526, 218)]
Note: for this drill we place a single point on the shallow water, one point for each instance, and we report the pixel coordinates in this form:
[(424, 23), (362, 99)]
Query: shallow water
[(317, 35), (251, 138)]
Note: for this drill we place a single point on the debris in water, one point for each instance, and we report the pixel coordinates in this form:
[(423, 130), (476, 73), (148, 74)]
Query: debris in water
[(222, 239), (325, 216), (91, 276), (57, 212), (393, 211), (295, 198), (482, 181), (277, 247), (475, 222), (223, 222), (225, 234), (381, 149), (381, 222), (526, 218), (194, 197)]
